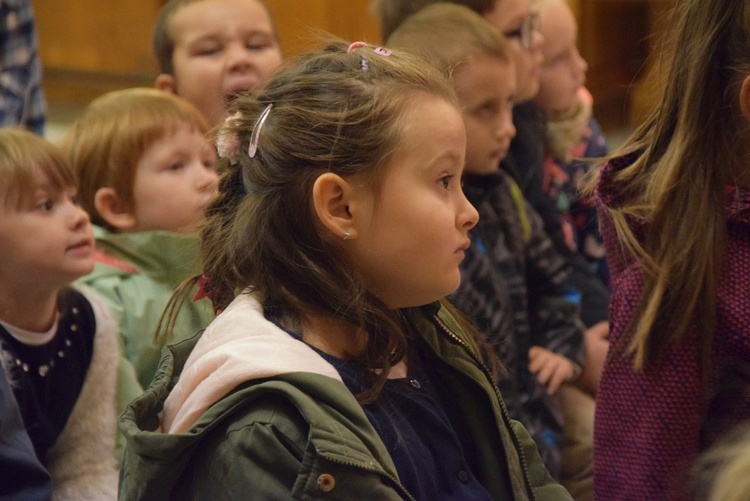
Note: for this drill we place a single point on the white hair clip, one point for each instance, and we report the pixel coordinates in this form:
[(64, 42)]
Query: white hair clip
[(253, 148)]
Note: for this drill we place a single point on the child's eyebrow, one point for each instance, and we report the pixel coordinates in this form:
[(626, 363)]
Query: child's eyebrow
[(442, 158)]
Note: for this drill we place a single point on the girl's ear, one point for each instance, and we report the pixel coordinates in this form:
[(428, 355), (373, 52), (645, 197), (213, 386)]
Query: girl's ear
[(113, 209), (332, 198), (166, 82), (745, 98)]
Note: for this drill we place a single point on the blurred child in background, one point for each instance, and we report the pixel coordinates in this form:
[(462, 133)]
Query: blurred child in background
[(58, 344), (513, 280), (146, 174), (572, 132), (519, 24), (209, 51)]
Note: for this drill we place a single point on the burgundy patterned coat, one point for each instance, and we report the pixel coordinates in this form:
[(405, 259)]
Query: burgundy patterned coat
[(651, 425)]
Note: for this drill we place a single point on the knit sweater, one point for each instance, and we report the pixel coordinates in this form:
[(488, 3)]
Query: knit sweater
[(651, 425), (83, 459)]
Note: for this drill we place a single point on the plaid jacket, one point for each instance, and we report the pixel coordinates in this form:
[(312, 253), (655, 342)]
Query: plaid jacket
[(21, 99)]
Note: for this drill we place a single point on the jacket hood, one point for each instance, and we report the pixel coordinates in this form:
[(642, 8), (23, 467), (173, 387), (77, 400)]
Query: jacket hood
[(229, 354), (215, 377), (158, 253)]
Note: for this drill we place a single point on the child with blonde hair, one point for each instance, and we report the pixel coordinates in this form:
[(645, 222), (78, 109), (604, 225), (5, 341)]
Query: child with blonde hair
[(513, 280), (518, 22), (573, 134), (58, 344), (146, 173), (334, 368), (674, 204), (209, 51)]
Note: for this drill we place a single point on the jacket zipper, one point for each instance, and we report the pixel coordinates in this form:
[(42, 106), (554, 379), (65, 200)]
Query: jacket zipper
[(503, 409)]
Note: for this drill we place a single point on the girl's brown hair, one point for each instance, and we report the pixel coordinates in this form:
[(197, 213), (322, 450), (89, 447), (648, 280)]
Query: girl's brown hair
[(106, 143), (21, 152), (333, 111), (686, 153)]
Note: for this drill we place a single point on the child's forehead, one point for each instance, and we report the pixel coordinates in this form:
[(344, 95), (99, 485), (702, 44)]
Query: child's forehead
[(32, 183), (211, 16), (507, 13), (183, 127), (481, 62), (47, 181)]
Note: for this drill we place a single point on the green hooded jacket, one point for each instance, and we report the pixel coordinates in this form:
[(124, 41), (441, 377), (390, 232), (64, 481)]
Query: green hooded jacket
[(245, 411), (136, 273)]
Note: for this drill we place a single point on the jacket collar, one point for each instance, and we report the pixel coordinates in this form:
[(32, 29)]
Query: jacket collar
[(154, 252), (240, 345)]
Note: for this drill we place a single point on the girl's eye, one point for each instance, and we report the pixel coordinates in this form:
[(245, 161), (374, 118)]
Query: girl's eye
[(257, 46), (175, 166), (46, 205), (446, 181), (207, 50), (486, 111)]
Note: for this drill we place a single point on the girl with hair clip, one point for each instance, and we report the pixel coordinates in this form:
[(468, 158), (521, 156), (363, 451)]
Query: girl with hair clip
[(334, 370), (674, 204), (58, 344)]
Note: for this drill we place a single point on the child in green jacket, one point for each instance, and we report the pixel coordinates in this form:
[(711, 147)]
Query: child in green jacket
[(146, 173), (335, 370)]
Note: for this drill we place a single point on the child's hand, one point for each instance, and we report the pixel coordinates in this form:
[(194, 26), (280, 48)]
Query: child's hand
[(551, 369)]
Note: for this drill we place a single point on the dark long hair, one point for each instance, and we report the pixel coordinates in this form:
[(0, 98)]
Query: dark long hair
[(333, 111), (687, 152)]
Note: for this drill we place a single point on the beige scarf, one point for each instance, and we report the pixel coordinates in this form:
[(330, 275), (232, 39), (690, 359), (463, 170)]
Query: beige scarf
[(565, 129)]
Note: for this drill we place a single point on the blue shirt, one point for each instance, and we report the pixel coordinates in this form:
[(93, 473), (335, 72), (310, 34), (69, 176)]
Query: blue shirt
[(416, 431)]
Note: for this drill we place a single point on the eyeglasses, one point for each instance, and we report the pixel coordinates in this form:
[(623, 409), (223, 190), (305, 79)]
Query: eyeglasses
[(525, 32)]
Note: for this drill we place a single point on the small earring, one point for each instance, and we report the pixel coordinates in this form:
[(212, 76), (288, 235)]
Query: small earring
[(346, 236)]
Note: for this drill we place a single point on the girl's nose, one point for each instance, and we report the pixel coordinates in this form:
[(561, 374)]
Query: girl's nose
[(536, 39), (79, 217), (239, 56), (208, 178), (468, 215), (581, 63), (505, 126)]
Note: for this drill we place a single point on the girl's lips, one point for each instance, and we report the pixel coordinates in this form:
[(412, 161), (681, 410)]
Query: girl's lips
[(239, 86), (82, 247), (499, 153)]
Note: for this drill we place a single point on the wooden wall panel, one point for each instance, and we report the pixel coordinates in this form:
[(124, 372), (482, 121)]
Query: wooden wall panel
[(91, 46), (612, 38), (91, 35), (302, 25)]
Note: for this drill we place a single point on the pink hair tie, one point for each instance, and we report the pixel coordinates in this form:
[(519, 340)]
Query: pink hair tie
[(356, 45), (227, 143)]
